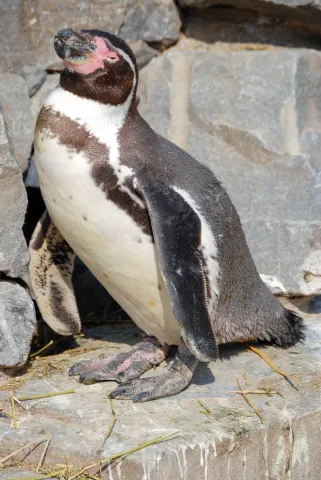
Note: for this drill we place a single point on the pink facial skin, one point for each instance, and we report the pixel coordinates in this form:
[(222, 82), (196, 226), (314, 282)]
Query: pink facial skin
[(95, 60)]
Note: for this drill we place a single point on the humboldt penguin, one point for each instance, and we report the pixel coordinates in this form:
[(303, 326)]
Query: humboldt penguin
[(154, 226)]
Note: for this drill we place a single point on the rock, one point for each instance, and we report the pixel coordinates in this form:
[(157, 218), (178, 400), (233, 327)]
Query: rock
[(37, 101), (14, 100), (229, 442), (156, 22), (306, 10), (14, 255), (235, 28), (29, 40), (55, 67), (253, 117), (31, 177), (143, 53), (17, 324), (10, 473), (34, 76)]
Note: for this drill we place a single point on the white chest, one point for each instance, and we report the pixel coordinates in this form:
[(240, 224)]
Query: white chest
[(107, 239)]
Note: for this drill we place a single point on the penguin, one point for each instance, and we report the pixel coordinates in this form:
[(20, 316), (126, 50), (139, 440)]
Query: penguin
[(154, 226)]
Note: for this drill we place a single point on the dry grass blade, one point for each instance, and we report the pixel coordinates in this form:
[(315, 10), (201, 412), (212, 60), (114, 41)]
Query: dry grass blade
[(44, 395), (13, 410), (205, 410), (109, 460), (258, 352), (110, 429), (112, 423), (41, 350), (33, 355), (42, 458), (249, 401), (255, 392), (3, 460), (50, 475), (12, 384)]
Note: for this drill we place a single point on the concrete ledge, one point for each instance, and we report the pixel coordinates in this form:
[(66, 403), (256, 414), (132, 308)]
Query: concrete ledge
[(230, 442)]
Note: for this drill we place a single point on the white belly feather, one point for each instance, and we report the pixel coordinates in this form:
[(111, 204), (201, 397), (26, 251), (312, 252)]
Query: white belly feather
[(106, 238)]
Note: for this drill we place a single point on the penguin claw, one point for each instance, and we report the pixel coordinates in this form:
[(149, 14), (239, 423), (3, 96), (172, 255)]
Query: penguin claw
[(123, 367), (151, 388)]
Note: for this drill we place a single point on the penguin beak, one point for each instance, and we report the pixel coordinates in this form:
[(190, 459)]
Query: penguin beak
[(73, 47)]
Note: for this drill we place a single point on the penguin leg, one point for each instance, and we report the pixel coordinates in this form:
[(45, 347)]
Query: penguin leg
[(124, 366), (177, 378)]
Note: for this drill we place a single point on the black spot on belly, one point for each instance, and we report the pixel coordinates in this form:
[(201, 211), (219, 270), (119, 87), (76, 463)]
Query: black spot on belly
[(85, 218)]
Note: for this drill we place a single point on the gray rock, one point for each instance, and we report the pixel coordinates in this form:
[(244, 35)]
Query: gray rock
[(27, 31), (17, 324), (229, 442), (143, 53), (293, 6), (34, 76), (10, 473), (14, 100), (305, 11), (235, 28), (154, 21), (254, 119), (14, 254), (31, 178), (37, 101)]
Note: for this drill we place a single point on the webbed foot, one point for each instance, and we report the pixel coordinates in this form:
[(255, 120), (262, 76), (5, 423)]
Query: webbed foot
[(177, 378), (124, 366)]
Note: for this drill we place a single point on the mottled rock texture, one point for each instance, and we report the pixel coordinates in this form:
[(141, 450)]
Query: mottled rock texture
[(306, 11), (14, 255), (17, 315), (27, 28), (14, 101), (17, 324), (254, 119), (227, 441), (34, 77)]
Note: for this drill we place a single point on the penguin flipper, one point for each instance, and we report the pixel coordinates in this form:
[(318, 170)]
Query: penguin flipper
[(176, 229), (51, 266)]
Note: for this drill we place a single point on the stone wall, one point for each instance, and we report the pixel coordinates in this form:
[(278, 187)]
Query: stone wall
[(234, 82)]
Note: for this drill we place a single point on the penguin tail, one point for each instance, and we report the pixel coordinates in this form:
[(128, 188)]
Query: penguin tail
[(291, 329)]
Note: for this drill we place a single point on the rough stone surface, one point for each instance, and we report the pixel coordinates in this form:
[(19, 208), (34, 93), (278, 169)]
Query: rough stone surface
[(14, 254), (304, 10), (34, 76), (143, 53), (14, 101), (27, 29), (254, 118), (227, 442), (233, 28), (11, 473), (37, 101), (17, 324)]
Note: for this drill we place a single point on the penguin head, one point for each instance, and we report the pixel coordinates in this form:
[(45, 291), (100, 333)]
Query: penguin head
[(98, 65)]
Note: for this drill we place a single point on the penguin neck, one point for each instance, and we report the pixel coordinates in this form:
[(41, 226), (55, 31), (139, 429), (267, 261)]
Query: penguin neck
[(95, 116)]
